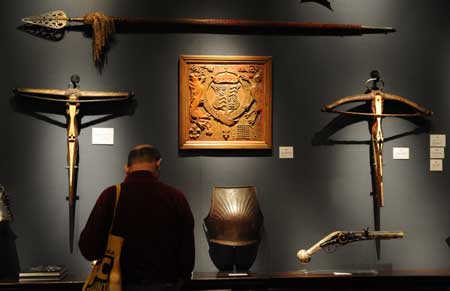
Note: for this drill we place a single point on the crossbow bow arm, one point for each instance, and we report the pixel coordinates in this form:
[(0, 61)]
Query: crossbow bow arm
[(82, 96), (99, 96), (344, 237), (418, 109), (46, 94), (349, 99), (105, 94)]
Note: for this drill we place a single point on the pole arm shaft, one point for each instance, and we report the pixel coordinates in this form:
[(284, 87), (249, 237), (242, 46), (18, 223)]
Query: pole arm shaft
[(252, 24)]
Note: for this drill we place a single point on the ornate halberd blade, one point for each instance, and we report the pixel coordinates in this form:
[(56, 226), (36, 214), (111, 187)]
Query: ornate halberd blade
[(53, 19)]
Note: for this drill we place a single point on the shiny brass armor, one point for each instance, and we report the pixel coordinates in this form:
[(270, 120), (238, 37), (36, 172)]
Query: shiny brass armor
[(235, 218)]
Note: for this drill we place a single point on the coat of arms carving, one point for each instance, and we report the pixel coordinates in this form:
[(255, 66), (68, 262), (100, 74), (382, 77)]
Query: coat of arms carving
[(225, 102)]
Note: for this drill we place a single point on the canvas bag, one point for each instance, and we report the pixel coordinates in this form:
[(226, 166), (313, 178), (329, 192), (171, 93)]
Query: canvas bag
[(105, 274)]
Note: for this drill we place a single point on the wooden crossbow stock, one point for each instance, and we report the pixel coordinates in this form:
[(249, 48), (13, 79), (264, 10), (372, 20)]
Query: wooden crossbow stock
[(376, 98)]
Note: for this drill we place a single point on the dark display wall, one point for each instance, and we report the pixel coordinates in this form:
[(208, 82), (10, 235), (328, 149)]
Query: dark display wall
[(324, 188)]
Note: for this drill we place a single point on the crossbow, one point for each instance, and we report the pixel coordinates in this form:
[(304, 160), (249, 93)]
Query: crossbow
[(340, 238), (73, 97), (375, 99)]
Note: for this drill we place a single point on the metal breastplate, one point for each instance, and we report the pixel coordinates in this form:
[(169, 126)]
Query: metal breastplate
[(5, 213), (235, 218)]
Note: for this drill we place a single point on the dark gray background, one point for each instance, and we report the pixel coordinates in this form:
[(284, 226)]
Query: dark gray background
[(323, 189)]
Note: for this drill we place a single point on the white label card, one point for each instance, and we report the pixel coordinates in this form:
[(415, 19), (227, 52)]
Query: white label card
[(437, 153), (102, 135), (437, 140), (286, 152), (237, 274), (436, 165), (400, 153)]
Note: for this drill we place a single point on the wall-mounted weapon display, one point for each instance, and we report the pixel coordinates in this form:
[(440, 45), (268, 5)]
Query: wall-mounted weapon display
[(372, 107), (9, 263), (375, 99), (233, 227), (73, 98), (51, 25), (341, 238)]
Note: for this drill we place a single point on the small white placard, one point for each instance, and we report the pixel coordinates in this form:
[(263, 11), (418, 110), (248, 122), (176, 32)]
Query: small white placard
[(342, 274), (400, 153), (437, 140), (102, 135), (237, 274), (437, 153), (287, 152), (436, 165)]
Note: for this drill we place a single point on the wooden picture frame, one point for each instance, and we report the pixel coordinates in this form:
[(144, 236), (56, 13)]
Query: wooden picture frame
[(225, 102)]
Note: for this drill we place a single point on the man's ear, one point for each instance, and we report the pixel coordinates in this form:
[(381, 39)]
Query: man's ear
[(126, 169), (158, 163)]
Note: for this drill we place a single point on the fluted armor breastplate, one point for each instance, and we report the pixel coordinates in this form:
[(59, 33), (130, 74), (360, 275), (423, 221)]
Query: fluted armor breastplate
[(235, 218)]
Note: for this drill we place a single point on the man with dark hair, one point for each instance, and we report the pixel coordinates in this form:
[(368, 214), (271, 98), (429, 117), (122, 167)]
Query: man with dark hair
[(142, 154), (155, 221)]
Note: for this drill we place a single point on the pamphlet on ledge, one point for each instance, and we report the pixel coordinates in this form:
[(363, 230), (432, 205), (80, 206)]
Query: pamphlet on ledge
[(43, 273)]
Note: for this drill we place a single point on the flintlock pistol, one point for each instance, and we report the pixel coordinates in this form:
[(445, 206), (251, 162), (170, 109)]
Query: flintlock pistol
[(73, 97), (376, 99), (340, 238)]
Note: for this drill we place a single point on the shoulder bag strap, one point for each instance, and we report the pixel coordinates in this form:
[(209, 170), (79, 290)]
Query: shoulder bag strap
[(115, 206)]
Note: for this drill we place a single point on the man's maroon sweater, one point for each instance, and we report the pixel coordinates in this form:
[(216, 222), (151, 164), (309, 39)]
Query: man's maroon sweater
[(156, 223)]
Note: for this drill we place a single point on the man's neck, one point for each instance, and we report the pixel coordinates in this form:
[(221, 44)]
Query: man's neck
[(153, 168)]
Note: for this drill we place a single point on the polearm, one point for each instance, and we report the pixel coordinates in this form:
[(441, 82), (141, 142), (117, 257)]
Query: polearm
[(376, 98), (72, 97), (104, 26), (340, 238)]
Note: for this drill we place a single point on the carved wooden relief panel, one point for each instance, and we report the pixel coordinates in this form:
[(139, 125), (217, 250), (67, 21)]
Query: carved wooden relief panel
[(225, 102)]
